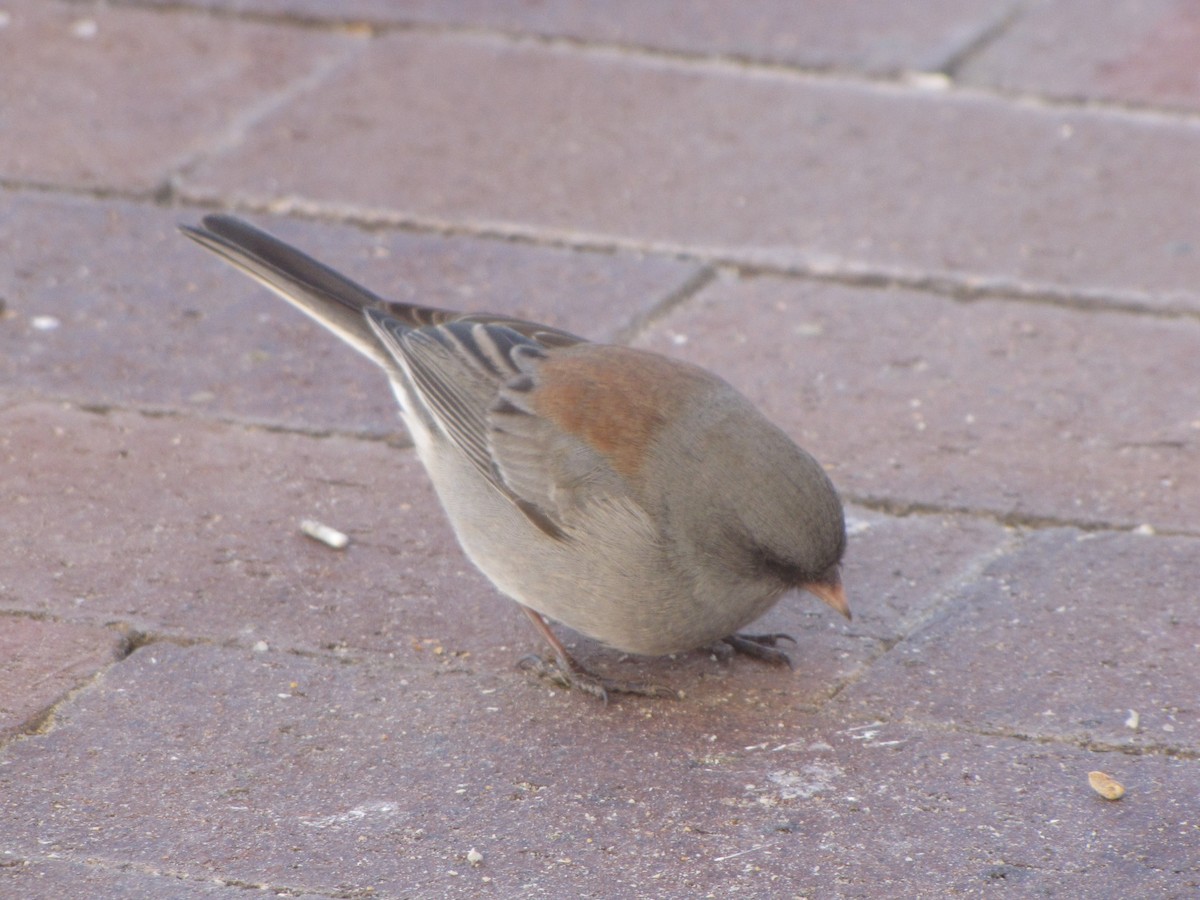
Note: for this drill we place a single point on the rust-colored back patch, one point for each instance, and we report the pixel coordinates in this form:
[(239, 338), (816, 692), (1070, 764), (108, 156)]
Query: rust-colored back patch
[(613, 398)]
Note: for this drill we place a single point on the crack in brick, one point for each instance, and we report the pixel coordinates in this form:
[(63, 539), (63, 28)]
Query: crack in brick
[(982, 40), (964, 287), (971, 573), (902, 509), (690, 288), (1092, 745)]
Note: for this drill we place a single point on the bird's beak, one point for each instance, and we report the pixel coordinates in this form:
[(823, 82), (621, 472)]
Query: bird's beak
[(833, 594)]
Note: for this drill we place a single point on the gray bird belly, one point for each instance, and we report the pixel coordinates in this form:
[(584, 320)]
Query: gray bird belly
[(611, 582)]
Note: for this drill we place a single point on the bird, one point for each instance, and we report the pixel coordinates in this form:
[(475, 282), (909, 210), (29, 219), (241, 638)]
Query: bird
[(637, 499)]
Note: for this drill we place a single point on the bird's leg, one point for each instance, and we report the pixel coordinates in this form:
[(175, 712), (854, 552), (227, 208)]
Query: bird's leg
[(760, 646), (570, 674)]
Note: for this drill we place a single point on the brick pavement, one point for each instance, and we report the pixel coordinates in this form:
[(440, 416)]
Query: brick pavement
[(955, 252)]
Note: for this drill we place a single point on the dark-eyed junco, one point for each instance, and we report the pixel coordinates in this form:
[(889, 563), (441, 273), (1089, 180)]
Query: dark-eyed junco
[(639, 500)]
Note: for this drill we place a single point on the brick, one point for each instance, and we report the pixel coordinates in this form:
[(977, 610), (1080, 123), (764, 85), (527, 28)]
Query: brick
[(306, 774), (88, 879), (1021, 410), (43, 661), (899, 569), (872, 35), (100, 97), (1062, 640), (190, 528), (147, 319), (1139, 52), (763, 168)]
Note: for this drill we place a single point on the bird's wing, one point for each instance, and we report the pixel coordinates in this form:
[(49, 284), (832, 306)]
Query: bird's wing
[(474, 381)]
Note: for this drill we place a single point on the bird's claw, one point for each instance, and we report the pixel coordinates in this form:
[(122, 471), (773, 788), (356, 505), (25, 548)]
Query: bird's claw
[(760, 646), (570, 674)]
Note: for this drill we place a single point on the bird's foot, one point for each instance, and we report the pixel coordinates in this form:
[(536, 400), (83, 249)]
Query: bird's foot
[(759, 646), (567, 672), (570, 674)]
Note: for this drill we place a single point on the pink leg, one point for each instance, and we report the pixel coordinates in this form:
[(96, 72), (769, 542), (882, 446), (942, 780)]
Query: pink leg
[(571, 674)]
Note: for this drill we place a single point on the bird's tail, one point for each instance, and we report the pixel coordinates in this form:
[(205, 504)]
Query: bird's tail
[(330, 298)]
